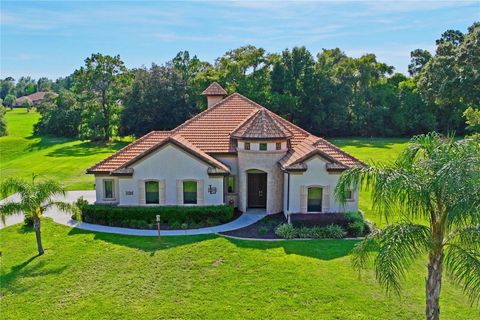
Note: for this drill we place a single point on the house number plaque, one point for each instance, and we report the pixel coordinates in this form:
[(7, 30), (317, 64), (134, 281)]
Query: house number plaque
[(129, 193), (212, 190)]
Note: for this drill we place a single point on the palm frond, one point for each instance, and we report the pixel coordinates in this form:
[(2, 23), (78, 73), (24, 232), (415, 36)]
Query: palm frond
[(463, 266), (398, 245), (467, 237), (46, 189), (10, 208), (12, 185)]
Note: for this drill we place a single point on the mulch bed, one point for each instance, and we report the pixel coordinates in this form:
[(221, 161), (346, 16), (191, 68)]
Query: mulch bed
[(263, 229)]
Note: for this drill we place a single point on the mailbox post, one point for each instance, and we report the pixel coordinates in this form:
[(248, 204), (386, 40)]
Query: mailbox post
[(158, 224)]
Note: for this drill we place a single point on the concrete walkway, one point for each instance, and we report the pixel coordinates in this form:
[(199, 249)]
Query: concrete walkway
[(244, 220)]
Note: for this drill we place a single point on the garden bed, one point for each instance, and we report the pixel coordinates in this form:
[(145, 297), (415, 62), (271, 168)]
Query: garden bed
[(171, 217), (311, 226)]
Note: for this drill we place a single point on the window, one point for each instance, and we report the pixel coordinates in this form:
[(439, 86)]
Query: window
[(108, 189), (231, 184), (278, 146), (315, 199), (349, 196), (247, 145), (263, 146), (151, 192), (189, 192)]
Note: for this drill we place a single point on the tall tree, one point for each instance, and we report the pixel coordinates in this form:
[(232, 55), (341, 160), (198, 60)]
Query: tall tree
[(3, 122), (436, 180), (60, 115), (7, 86), (44, 84), (35, 199), (101, 85), (419, 59)]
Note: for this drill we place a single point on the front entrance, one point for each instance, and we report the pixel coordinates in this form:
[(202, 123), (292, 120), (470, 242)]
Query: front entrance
[(257, 190)]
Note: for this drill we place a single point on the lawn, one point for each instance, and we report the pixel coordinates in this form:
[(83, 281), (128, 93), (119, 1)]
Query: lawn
[(86, 275), (62, 159)]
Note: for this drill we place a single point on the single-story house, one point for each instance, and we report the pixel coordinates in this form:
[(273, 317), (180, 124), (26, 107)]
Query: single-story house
[(234, 151), (36, 98)]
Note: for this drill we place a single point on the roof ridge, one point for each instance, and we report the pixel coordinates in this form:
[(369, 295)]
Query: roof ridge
[(337, 149)]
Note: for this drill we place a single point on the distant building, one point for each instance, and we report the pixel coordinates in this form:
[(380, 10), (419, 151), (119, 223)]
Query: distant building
[(36, 98)]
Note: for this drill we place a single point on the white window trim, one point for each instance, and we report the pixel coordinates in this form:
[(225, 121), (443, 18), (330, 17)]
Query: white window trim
[(234, 185), (113, 190), (145, 192), (315, 186), (352, 198), (183, 192)]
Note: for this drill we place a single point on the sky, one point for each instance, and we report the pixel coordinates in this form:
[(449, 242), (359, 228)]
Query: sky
[(53, 38)]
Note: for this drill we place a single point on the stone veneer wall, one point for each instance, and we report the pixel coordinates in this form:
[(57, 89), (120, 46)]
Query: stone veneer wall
[(266, 161)]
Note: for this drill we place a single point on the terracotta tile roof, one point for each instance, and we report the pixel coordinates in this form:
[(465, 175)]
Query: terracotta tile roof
[(262, 126), (313, 145), (34, 97), (122, 156), (210, 132), (214, 90)]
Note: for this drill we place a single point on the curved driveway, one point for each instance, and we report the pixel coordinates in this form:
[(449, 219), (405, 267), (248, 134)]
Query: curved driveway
[(244, 220)]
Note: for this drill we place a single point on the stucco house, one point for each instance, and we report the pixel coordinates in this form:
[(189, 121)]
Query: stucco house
[(236, 150)]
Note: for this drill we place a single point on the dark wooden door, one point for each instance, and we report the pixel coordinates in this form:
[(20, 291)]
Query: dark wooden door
[(257, 190)]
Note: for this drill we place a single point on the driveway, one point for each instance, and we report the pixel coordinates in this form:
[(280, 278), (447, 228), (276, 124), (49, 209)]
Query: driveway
[(244, 220)]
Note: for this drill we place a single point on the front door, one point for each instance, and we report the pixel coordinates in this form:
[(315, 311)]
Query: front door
[(257, 190)]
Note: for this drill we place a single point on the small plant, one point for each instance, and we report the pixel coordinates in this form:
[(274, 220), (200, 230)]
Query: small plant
[(263, 230), (356, 228), (285, 231), (334, 231), (304, 232), (184, 225), (175, 225)]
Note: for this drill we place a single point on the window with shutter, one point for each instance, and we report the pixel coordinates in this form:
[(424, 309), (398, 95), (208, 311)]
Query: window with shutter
[(189, 192), (152, 194), (315, 199)]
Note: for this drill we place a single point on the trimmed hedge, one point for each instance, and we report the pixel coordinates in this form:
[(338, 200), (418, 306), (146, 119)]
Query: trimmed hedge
[(144, 216)]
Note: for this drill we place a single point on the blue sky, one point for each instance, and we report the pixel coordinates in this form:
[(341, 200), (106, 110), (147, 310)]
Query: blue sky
[(50, 38)]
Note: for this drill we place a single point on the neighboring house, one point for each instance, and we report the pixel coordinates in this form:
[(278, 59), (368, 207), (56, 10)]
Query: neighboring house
[(236, 150), (36, 98)]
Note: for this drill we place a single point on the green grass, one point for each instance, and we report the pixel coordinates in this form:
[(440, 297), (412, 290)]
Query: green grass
[(59, 158), (86, 275), (371, 151)]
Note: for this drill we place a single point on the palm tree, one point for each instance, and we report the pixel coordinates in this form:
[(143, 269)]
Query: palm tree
[(35, 199), (436, 180)]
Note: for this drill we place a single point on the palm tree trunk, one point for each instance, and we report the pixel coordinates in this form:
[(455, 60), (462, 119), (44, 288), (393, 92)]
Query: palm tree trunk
[(36, 225), (433, 286)]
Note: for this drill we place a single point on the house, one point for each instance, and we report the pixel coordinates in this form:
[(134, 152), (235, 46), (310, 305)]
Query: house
[(234, 151), (36, 98)]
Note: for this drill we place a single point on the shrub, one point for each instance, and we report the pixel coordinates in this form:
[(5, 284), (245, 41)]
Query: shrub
[(285, 231), (356, 228), (263, 229), (356, 223), (175, 216), (305, 232), (334, 231)]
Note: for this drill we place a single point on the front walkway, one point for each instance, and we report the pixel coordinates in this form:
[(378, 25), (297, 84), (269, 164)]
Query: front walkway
[(244, 220)]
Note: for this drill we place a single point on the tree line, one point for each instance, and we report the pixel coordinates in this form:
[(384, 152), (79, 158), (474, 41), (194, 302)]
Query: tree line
[(329, 94)]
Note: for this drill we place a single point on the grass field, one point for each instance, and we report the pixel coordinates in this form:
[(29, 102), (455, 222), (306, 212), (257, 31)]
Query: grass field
[(86, 275), (63, 159)]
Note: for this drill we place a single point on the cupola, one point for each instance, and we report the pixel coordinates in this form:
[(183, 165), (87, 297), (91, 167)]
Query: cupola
[(214, 93)]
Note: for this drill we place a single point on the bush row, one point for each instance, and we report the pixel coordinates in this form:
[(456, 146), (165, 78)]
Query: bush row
[(332, 231), (144, 216)]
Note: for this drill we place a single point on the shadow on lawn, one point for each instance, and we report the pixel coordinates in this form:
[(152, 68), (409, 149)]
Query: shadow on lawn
[(318, 249), (87, 148), (368, 143), (147, 244), (23, 271)]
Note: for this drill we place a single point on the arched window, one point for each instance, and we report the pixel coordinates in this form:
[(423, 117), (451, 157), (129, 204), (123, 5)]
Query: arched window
[(152, 192), (314, 199), (190, 192)]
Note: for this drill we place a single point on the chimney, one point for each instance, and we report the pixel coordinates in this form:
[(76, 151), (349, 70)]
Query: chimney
[(214, 93)]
